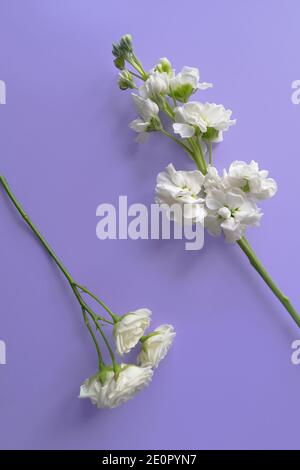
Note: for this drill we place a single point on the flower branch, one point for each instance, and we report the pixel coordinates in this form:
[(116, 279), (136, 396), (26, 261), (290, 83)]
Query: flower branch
[(114, 383), (226, 205)]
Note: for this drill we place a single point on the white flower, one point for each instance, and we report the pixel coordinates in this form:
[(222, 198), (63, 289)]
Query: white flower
[(130, 328), (158, 81), (116, 389), (251, 180), (230, 212), (186, 82), (209, 118), (213, 180), (148, 111), (96, 391), (183, 188), (156, 84), (156, 346)]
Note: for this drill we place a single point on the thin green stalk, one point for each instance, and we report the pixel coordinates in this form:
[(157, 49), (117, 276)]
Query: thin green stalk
[(210, 153), (35, 230), (136, 75), (198, 156), (84, 307), (111, 353), (88, 325), (100, 302), (184, 146), (255, 262)]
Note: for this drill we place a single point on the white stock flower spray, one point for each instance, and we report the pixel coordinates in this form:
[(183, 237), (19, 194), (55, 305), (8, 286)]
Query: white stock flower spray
[(114, 383), (227, 204)]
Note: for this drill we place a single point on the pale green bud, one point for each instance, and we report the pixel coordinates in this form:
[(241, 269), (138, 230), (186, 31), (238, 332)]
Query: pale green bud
[(126, 80), (164, 66)]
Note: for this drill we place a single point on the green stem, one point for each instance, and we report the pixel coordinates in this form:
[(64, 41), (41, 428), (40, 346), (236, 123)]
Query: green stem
[(35, 230), (100, 302), (111, 353), (210, 152), (136, 75), (137, 65), (198, 155), (255, 262), (88, 325), (185, 147), (60, 265)]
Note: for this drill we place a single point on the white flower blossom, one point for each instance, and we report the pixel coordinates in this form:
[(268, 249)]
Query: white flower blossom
[(130, 328), (209, 118), (156, 84), (251, 180), (183, 188), (148, 112), (96, 391), (213, 180), (116, 389), (156, 346), (186, 82), (230, 212)]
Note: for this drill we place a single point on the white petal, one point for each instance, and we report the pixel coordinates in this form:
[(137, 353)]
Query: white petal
[(184, 130)]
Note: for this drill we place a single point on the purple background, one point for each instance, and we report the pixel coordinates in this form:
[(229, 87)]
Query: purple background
[(65, 147)]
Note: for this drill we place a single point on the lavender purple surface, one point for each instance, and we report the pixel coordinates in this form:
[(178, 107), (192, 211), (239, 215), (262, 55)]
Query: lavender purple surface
[(228, 381)]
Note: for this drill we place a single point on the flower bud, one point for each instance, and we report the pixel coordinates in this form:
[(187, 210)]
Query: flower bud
[(126, 80), (164, 66)]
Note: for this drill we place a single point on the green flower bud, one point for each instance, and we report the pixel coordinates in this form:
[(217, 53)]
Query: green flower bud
[(126, 80), (164, 66), (126, 44), (119, 63)]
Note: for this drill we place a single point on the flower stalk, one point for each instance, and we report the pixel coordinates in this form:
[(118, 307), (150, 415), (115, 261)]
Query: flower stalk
[(117, 383), (86, 310), (224, 204), (257, 265)]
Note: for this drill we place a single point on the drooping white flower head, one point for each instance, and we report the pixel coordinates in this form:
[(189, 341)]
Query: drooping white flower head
[(230, 212), (96, 391), (183, 188), (186, 82), (149, 120), (131, 380), (209, 118), (130, 328), (156, 346), (116, 390), (251, 180)]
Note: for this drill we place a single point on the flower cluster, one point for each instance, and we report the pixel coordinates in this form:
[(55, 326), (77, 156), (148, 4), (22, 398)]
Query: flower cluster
[(224, 204), (112, 386)]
